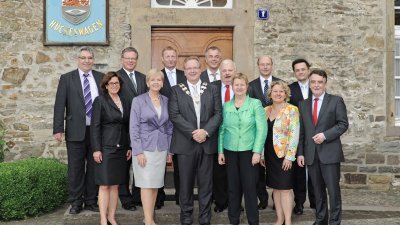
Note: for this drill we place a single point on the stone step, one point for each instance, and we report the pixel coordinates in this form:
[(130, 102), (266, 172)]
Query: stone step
[(169, 215)]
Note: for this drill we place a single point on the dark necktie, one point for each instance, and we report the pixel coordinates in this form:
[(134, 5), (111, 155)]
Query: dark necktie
[(315, 111), (227, 93), (87, 95), (266, 92)]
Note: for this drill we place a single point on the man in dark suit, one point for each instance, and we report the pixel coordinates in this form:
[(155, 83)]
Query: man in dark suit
[(195, 111), (299, 91), (172, 77), (323, 119), (134, 85), (75, 94), (213, 59), (220, 182), (258, 88)]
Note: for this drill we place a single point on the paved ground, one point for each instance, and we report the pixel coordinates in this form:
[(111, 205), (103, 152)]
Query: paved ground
[(360, 207)]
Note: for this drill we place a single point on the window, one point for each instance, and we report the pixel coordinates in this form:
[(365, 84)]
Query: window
[(191, 4), (397, 62)]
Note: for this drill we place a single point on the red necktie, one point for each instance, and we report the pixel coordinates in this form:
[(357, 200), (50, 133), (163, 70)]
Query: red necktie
[(227, 93), (315, 111)]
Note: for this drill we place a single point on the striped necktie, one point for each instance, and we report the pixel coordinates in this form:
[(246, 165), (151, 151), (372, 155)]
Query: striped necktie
[(266, 92), (87, 95)]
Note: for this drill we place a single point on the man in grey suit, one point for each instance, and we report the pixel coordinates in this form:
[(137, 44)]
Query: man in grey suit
[(75, 94), (213, 59), (323, 119), (134, 85), (172, 77), (195, 111)]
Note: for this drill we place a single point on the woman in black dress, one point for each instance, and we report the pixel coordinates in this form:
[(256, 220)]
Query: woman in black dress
[(280, 149), (110, 144)]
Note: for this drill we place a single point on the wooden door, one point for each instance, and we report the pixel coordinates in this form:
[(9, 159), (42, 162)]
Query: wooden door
[(190, 42)]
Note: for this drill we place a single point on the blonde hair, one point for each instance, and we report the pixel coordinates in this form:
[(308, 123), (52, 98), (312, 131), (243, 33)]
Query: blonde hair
[(153, 73), (240, 76), (285, 87)]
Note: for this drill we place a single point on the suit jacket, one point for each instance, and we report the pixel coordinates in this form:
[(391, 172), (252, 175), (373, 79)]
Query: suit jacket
[(255, 90), (286, 131), (332, 121), (166, 89), (183, 116), (148, 133), (128, 91), (70, 102), (244, 129), (295, 93), (204, 76), (109, 127)]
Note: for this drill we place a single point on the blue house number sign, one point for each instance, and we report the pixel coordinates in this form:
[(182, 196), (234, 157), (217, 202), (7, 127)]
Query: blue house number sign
[(262, 13)]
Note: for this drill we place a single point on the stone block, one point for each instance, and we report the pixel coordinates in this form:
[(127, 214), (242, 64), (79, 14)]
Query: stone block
[(353, 178), (21, 127), (353, 161), (379, 179), (393, 160), (15, 75), (27, 58), (368, 169), (42, 58), (375, 159), (348, 168), (388, 169)]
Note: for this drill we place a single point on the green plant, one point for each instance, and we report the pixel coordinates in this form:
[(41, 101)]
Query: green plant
[(31, 187), (2, 142)]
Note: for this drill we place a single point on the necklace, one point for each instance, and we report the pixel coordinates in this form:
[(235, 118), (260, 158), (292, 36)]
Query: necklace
[(156, 98)]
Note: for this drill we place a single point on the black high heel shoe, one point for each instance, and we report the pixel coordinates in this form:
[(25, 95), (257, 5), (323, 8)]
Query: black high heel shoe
[(109, 223)]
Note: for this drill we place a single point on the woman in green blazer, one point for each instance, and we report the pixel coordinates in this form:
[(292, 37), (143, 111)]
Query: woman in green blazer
[(240, 145)]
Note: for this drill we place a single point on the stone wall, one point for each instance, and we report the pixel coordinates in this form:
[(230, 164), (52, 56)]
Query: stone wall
[(29, 74), (346, 38)]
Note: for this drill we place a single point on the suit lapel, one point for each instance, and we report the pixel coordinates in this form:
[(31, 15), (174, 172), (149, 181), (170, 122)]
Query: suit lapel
[(325, 103), (151, 106), (188, 97), (128, 81), (113, 105), (77, 83), (166, 79), (259, 91), (97, 78)]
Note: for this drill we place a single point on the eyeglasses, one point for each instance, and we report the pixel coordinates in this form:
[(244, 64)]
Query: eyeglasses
[(85, 58), (113, 83), (130, 59)]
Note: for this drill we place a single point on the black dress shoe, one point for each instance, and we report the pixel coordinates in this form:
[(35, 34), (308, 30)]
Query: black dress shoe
[(262, 205), (186, 224), (137, 203), (219, 209), (92, 207), (75, 209), (129, 207), (205, 224), (298, 210)]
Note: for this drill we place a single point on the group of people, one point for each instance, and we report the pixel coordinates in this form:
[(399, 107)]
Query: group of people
[(232, 137)]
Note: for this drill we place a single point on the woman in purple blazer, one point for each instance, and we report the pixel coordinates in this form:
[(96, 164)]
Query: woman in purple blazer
[(150, 131)]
